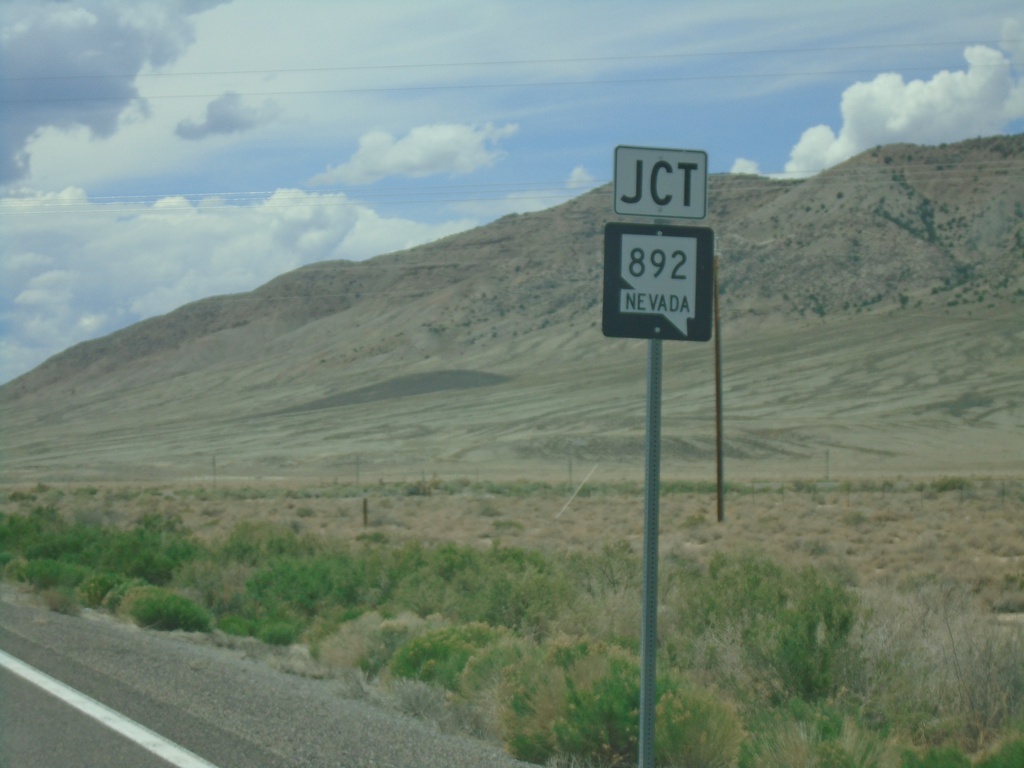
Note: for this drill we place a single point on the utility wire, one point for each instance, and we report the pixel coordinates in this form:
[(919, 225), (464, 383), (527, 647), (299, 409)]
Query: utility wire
[(916, 172), (419, 66), (472, 86)]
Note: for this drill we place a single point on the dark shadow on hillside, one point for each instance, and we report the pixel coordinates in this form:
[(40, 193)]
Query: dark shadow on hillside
[(402, 386)]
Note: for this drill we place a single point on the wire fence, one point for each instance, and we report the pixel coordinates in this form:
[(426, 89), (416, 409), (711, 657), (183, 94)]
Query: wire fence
[(589, 484), (357, 476)]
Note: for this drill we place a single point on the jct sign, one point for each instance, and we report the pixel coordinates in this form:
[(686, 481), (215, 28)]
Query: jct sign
[(666, 183)]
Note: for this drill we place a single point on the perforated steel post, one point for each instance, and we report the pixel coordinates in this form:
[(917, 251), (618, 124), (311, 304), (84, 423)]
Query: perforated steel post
[(652, 493)]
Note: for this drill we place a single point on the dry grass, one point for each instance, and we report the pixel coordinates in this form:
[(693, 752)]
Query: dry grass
[(796, 745), (934, 656)]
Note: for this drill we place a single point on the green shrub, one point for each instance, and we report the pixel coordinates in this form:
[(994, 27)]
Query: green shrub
[(502, 586), (792, 628), (942, 485), (257, 543), (581, 700), (95, 587), (440, 656), (486, 670), (14, 569), (309, 586), (390, 635), (368, 641), (19, 532), (116, 594), (942, 757), (1011, 755), (235, 625), (601, 718), (152, 550), (601, 721), (813, 639), (61, 600), (535, 699), (696, 728), (47, 574), (219, 586), (279, 631), (159, 608)]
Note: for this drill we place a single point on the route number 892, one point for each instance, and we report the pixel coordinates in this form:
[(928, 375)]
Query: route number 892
[(659, 261)]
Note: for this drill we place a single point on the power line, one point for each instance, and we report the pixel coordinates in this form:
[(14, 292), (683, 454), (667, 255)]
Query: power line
[(473, 86), (8, 208), (419, 66), (469, 193), (388, 191)]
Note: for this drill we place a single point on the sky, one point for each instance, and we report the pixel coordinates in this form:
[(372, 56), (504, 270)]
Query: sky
[(158, 152)]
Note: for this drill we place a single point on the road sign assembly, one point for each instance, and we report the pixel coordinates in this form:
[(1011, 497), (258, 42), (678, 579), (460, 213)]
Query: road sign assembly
[(659, 283)]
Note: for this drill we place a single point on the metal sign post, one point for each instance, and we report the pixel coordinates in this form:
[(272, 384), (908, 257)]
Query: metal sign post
[(649, 617)]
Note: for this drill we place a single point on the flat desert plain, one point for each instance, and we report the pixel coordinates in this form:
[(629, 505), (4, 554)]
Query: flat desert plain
[(883, 395), (953, 533)]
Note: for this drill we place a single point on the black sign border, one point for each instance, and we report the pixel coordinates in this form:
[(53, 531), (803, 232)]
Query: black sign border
[(616, 324)]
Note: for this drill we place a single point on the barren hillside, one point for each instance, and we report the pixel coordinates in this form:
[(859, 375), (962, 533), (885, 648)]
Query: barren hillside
[(873, 311)]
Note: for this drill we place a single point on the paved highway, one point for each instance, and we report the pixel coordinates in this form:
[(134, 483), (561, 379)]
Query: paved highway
[(68, 738), (229, 711)]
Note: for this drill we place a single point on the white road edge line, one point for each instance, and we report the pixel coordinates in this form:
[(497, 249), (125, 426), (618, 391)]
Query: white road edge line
[(140, 734)]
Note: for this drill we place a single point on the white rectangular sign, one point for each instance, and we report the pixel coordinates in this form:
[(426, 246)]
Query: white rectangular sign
[(665, 183)]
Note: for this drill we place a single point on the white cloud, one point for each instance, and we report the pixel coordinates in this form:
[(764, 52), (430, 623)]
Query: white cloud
[(68, 66), (529, 200), (27, 261), (951, 106), (1012, 40), (742, 165), (49, 290), (426, 150), (75, 269), (580, 178), (90, 324)]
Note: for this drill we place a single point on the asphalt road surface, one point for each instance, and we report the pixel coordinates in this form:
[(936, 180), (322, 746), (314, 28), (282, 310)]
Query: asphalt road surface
[(67, 738), (229, 711)]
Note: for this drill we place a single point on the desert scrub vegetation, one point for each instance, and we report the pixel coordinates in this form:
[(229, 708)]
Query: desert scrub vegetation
[(761, 664)]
